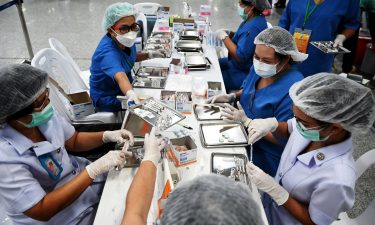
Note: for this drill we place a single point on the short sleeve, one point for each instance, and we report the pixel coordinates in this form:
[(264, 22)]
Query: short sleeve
[(351, 18), (291, 124), (20, 190), (111, 64), (245, 45), (283, 110), (329, 200), (68, 129)]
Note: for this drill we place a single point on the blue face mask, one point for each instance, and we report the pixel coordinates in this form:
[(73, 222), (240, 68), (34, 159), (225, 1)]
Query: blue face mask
[(241, 12), (312, 134), (39, 118)]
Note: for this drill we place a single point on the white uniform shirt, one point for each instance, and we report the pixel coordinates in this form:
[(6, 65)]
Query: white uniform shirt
[(323, 179), (24, 182)]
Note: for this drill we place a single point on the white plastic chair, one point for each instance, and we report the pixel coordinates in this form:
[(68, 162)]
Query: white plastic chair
[(368, 216), (65, 75), (60, 48), (147, 8), (141, 17)]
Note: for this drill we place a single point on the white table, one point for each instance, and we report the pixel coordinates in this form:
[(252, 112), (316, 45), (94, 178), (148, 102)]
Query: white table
[(112, 203)]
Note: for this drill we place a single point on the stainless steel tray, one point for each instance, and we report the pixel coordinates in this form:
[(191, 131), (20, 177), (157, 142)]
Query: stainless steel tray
[(145, 71), (190, 34), (223, 134), (232, 166), (149, 82), (189, 46), (156, 114), (205, 112), (196, 61), (327, 47)]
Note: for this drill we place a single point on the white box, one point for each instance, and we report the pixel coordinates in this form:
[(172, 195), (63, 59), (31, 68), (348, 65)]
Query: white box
[(81, 105), (182, 158), (184, 107), (169, 102), (214, 88)]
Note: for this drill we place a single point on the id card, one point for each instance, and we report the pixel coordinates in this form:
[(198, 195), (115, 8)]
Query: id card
[(302, 37), (52, 167)]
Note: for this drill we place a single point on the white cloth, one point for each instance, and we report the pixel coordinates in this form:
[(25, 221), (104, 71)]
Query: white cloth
[(323, 179)]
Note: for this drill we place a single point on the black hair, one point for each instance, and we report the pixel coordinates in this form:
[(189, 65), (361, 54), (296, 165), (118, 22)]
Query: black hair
[(255, 10), (281, 57), (23, 112)]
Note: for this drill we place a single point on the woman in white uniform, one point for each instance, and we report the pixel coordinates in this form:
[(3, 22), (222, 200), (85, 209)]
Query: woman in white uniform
[(316, 176), (40, 182)]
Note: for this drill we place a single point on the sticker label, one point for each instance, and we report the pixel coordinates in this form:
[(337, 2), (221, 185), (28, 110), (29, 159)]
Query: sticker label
[(302, 37)]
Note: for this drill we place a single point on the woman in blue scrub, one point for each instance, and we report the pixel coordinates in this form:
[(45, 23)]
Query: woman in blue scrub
[(316, 177), (114, 59), (40, 181), (264, 92), (319, 20), (240, 47)]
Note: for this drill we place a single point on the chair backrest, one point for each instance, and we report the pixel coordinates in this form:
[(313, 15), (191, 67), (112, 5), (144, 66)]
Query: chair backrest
[(364, 162), (147, 8), (60, 48), (60, 70), (142, 18)]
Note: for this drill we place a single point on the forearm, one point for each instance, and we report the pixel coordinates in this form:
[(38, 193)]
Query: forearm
[(142, 56), (143, 185), (85, 141), (239, 93), (60, 198), (232, 48), (298, 210), (282, 131), (123, 82), (348, 33)]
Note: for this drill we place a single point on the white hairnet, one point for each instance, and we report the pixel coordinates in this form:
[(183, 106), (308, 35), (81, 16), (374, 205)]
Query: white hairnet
[(259, 4), (211, 199), (20, 85), (282, 41), (335, 99), (115, 12)]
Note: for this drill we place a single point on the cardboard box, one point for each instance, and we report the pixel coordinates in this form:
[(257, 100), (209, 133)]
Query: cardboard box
[(184, 107), (169, 102), (182, 158), (214, 88), (81, 105)]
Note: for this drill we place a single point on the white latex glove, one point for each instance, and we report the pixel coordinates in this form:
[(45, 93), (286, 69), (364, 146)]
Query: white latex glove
[(105, 163), (259, 128), (118, 136), (160, 53), (132, 96), (231, 113), (222, 98), (221, 34), (339, 41), (266, 183), (152, 147)]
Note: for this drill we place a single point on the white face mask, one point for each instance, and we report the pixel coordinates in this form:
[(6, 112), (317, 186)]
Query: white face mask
[(263, 69), (127, 39)]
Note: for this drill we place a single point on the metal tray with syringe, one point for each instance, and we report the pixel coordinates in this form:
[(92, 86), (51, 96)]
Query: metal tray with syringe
[(157, 114), (327, 47)]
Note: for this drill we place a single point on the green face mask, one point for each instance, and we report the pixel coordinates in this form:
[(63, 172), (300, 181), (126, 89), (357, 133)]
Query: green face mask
[(241, 12), (42, 117), (310, 133)]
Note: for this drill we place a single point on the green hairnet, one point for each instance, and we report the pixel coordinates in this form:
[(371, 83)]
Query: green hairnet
[(335, 99), (115, 12), (20, 85)]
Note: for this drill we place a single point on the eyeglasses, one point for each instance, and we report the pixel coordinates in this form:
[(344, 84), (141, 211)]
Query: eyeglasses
[(46, 100), (126, 28), (322, 126)]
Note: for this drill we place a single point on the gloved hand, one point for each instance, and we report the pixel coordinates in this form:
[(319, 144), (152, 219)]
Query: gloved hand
[(231, 113), (160, 53), (118, 136), (259, 128), (222, 98), (132, 96), (339, 41), (153, 146), (105, 163), (266, 183), (221, 34)]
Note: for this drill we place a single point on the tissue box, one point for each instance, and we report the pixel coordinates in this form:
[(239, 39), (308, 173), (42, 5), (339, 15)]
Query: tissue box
[(168, 98), (214, 88), (182, 158), (184, 103)]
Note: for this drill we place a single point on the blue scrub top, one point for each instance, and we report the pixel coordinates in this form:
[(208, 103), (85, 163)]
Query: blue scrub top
[(235, 72), (325, 22), (108, 59), (271, 101)]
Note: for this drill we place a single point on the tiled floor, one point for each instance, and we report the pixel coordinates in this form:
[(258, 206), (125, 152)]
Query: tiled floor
[(77, 23)]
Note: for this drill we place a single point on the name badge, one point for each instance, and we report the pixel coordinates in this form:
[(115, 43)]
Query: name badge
[(52, 167), (302, 37)]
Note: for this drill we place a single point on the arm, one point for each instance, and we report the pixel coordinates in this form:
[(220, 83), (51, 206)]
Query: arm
[(123, 82), (84, 141), (142, 56), (299, 211), (60, 198), (284, 21), (143, 185), (348, 33), (232, 48)]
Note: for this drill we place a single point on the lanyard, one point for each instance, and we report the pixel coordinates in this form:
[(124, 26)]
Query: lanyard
[(308, 14)]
